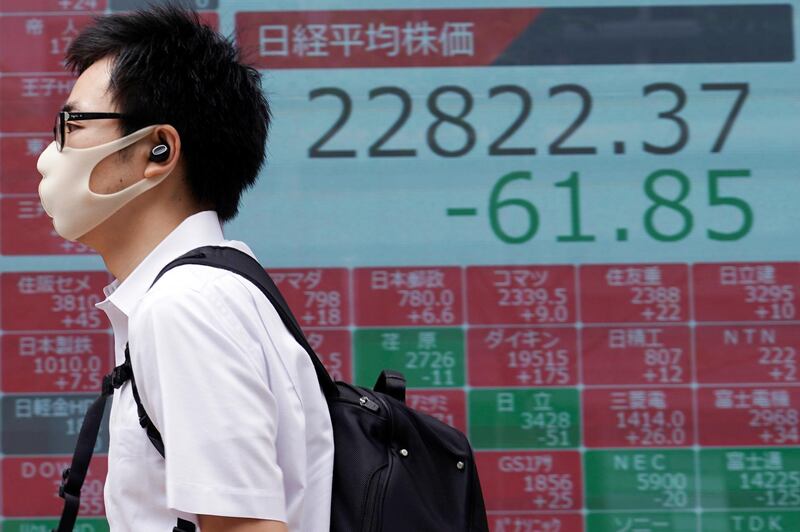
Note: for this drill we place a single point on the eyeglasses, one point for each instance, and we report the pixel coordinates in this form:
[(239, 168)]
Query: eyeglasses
[(62, 117)]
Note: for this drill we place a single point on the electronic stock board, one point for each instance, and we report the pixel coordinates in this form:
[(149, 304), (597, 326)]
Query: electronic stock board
[(570, 224)]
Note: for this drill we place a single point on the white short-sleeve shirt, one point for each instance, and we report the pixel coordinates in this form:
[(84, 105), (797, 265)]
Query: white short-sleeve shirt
[(245, 426)]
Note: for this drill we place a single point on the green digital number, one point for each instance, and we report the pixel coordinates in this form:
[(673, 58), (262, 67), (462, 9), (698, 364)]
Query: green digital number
[(573, 184), (672, 204), (496, 205), (715, 199), (667, 218)]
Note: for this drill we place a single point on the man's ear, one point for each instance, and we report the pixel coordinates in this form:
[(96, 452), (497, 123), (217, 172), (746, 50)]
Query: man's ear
[(162, 161)]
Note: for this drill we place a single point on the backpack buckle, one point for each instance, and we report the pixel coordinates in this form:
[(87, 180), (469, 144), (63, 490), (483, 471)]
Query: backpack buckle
[(64, 476), (120, 375)]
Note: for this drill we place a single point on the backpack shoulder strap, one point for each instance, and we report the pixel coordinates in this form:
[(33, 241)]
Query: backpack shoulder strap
[(144, 419), (73, 477)]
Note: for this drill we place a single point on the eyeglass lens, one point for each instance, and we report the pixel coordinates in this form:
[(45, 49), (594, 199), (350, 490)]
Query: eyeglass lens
[(58, 131)]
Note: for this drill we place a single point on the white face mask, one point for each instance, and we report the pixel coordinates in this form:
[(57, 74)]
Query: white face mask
[(64, 189)]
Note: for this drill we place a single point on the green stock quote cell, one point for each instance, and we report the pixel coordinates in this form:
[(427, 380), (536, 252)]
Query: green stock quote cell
[(633, 521), (748, 521), (524, 419), (46, 525), (429, 358), (640, 480), (750, 478)]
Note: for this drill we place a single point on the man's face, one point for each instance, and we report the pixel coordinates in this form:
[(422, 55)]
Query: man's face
[(90, 94)]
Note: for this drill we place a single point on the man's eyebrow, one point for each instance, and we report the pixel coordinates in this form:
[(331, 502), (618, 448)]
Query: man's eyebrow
[(70, 107)]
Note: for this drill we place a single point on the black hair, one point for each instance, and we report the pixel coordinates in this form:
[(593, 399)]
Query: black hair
[(169, 68)]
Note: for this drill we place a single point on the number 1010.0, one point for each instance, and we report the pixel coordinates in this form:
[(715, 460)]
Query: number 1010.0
[(500, 203)]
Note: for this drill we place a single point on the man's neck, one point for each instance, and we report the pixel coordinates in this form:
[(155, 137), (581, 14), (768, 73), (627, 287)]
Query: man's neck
[(124, 245), (125, 254)]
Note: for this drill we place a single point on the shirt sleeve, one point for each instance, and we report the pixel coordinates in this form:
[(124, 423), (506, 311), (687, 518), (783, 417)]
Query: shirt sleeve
[(197, 374)]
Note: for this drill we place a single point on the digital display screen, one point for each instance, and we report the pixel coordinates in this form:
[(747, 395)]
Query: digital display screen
[(571, 225)]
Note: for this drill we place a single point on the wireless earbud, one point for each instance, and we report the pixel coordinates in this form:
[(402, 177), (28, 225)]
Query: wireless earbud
[(159, 153)]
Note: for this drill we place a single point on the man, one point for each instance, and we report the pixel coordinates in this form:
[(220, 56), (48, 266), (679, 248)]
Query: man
[(178, 133)]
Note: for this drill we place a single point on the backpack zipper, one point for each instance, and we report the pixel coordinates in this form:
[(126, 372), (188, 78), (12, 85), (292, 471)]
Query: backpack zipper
[(368, 403), (364, 401), (377, 492)]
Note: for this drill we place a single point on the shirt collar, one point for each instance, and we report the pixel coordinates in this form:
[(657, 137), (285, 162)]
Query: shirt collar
[(201, 229)]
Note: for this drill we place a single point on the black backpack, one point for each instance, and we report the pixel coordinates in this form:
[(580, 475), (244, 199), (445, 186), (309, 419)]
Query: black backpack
[(395, 469)]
